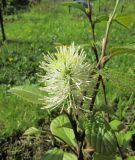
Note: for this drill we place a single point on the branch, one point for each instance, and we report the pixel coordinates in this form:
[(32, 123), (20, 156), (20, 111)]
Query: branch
[(2, 25), (105, 39), (80, 152), (105, 98), (103, 53), (95, 93), (89, 15), (104, 91), (65, 143)]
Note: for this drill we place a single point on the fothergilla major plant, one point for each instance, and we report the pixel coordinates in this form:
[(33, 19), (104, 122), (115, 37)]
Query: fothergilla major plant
[(70, 85)]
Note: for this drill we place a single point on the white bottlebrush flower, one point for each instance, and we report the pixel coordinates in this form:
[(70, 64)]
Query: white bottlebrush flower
[(67, 76)]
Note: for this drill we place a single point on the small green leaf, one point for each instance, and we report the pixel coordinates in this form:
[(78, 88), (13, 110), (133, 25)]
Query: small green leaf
[(131, 158), (131, 132), (116, 125), (64, 133), (122, 50), (75, 5), (118, 158), (101, 18), (30, 93), (97, 156), (124, 139), (32, 132), (69, 156), (125, 21), (100, 136), (59, 154), (54, 154), (66, 125)]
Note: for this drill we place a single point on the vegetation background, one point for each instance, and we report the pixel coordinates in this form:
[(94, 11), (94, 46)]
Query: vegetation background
[(31, 31)]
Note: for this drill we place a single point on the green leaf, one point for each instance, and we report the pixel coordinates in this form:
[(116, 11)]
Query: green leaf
[(54, 154), (131, 132), (32, 132), (75, 5), (30, 93), (125, 21), (122, 50), (124, 139), (131, 158), (69, 156), (116, 125), (59, 154), (97, 156), (100, 136), (118, 158), (64, 133), (101, 18), (66, 125)]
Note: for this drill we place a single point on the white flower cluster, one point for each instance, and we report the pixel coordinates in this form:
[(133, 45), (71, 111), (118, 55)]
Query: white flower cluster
[(67, 76)]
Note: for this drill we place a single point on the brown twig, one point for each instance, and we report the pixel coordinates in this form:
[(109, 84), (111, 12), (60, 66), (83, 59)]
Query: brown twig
[(104, 90), (89, 15), (96, 89), (79, 137), (80, 152), (2, 25), (103, 53)]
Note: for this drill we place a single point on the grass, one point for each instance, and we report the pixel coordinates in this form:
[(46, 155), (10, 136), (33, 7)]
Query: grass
[(16, 115), (34, 32)]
